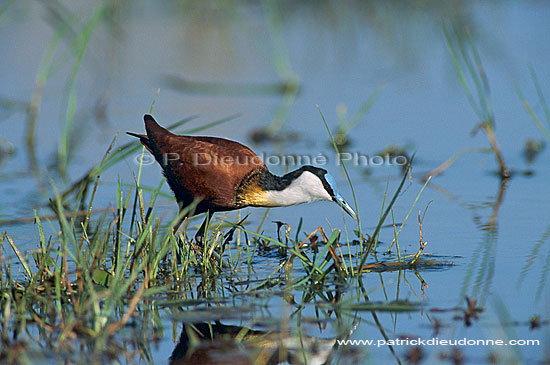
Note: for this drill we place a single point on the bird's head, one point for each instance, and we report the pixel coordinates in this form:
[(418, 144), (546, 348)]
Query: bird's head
[(329, 185), (305, 185)]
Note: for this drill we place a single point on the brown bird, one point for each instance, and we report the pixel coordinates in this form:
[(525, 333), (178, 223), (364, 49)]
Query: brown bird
[(215, 343), (226, 175)]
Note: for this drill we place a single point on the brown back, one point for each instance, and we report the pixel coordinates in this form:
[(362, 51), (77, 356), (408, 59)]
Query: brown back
[(210, 168)]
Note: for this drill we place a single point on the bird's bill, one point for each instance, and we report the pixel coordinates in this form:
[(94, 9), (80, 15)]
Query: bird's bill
[(341, 202)]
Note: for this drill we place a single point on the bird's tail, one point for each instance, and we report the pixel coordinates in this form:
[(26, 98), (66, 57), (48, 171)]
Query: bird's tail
[(143, 139), (153, 128), (155, 133)]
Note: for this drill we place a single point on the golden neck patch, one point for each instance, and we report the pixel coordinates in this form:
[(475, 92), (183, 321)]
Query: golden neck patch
[(249, 192), (253, 196)]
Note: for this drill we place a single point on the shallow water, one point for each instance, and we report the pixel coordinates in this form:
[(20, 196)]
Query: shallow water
[(340, 54)]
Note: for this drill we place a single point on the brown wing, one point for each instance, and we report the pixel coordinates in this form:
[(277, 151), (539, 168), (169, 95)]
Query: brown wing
[(207, 167)]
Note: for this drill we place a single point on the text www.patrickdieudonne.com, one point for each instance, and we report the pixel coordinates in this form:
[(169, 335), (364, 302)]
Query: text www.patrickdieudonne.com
[(438, 342)]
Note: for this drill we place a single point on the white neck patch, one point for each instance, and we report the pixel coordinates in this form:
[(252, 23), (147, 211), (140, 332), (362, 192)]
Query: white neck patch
[(305, 189)]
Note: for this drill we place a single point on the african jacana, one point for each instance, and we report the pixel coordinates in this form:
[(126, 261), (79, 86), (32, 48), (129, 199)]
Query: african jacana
[(227, 175), (217, 343)]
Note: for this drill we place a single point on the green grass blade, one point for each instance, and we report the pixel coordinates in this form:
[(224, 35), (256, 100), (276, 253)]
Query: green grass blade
[(21, 258), (542, 99), (345, 171), (80, 47), (383, 218), (6, 7), (531, 113), (460, 73)]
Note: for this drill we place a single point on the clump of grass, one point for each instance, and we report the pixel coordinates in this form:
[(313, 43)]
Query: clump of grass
[(544, 105), (346, 124), (336, 149), (473, 78), (233, 89), (5, 7), (36, 100), (537, 257), (371, 242), (79, 47), (283, 69), (532, 148), (84, 273)]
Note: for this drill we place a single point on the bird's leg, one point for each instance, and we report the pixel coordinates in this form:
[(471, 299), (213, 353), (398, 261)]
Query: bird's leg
[(178, 224), (180, 220), (180, 239), (200, 236)]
